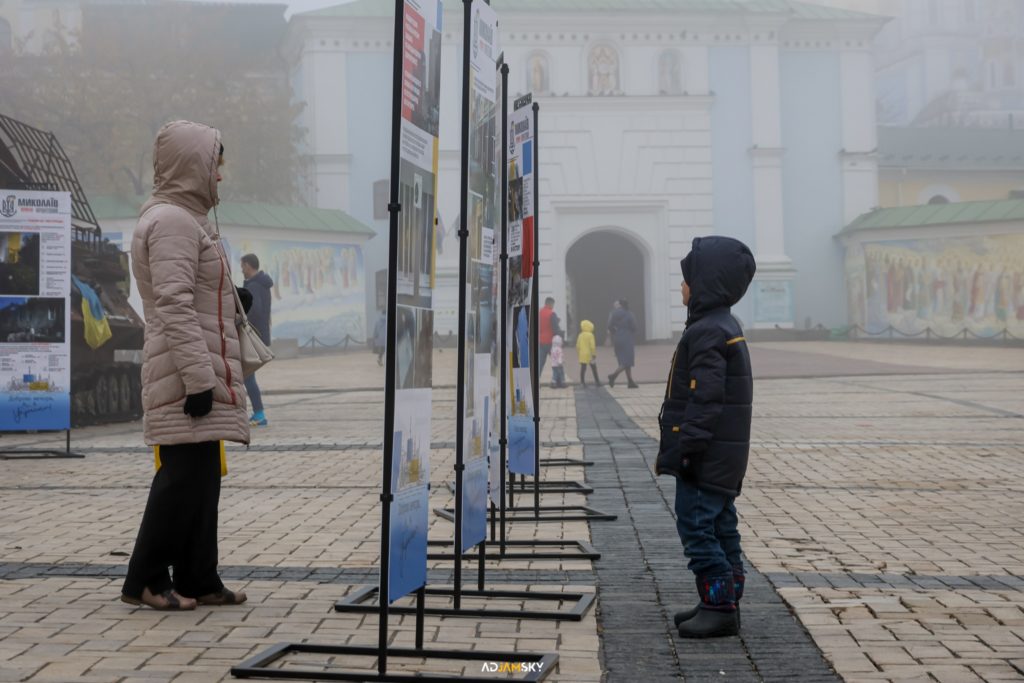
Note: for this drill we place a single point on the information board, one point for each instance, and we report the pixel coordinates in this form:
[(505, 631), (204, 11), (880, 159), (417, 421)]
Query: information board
[(35, 313), (414, 315)]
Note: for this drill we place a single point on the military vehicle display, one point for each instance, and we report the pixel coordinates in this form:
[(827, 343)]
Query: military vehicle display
[(106, 383)]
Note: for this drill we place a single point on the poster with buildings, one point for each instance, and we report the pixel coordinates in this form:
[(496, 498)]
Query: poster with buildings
[(521, 212), (35, 314), (414, 319), (481, 213)]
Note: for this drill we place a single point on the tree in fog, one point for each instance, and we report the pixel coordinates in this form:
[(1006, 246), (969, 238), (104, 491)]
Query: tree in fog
[(106, 90)]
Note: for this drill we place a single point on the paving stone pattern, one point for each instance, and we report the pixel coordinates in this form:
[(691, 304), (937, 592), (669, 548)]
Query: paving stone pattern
[(888, 511), (643, 580), (884, 505)]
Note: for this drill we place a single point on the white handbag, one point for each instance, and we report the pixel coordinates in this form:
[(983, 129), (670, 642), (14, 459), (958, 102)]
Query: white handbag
[(255, 354)]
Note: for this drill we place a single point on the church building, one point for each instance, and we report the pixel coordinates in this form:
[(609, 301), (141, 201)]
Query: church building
[(660, 121)]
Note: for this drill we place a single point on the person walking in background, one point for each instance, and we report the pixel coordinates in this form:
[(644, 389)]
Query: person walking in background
[(586, 349), (548, 326), (192, 396), (622, 329), (259, 284), (705, 431), (380, 336), (557, 363)]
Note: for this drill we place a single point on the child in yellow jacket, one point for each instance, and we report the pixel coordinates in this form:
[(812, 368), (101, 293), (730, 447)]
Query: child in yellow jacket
[(586, 349)]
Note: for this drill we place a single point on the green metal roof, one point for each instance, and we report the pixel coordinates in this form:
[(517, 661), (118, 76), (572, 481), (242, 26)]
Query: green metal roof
[(951, 148), (257, 215), (802, 10), (939, 214)]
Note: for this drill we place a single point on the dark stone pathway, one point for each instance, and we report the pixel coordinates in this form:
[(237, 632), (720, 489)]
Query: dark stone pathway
[(642, 577)]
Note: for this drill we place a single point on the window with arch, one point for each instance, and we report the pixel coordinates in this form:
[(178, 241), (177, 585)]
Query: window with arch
[(6, 37), (603, 70), (538, 74), (670, 73), (939, 199)]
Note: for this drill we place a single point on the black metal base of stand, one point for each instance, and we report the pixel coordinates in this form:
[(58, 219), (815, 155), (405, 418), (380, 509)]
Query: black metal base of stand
[(544, 550), (363, 601), (546, 513), (41, 453), (260, 666), (547, 486), (33, 454), (565, 462)]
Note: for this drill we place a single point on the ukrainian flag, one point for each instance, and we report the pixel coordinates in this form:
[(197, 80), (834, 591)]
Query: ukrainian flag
[(97, 328)]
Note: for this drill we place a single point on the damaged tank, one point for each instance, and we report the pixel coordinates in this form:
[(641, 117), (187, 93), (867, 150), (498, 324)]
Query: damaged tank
[(106, 384)]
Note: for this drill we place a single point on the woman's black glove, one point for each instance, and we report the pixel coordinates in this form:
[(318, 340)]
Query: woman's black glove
[(199, 405), (245, 296)]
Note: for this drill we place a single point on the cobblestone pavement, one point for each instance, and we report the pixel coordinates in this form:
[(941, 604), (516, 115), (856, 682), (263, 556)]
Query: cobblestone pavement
[(885, 511), (888, 513)]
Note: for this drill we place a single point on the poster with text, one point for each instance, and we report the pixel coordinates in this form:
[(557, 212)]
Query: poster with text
[(521, 212), (35, 314), (481, 214), (488, 340), (414, 316)]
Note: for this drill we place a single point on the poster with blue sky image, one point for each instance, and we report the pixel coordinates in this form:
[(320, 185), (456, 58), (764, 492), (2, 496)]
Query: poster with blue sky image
[(414, 319)]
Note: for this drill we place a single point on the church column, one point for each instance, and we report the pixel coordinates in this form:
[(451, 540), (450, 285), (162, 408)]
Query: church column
[(860, 138), (772, 289)]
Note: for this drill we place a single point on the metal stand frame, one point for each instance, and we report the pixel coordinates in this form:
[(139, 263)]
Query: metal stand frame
[(358, 602), (545, 513), (566, 462), (40, 453), (259, 666), (547, 486), (547, 550)]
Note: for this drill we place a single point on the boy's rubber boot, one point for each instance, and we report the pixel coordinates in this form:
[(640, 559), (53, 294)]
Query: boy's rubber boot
[(716, 616), (739, 579)]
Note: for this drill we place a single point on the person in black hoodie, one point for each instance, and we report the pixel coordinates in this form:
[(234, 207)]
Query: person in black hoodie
[(705, 431), (259, 285)]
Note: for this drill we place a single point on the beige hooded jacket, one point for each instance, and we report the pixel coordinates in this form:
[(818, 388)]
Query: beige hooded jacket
[(185, 283)]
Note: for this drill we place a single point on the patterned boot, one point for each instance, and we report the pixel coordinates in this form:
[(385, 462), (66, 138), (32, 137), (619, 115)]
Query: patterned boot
[(739, 579), (716, 615)]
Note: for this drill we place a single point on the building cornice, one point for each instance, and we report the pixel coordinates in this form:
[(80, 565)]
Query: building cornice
[(626, 103)]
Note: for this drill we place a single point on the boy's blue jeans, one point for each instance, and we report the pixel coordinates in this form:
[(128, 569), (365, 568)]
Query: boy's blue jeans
[(707, 525)]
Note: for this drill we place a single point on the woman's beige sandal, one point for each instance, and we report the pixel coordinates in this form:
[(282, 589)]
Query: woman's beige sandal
[(167, 601), (223, 597)]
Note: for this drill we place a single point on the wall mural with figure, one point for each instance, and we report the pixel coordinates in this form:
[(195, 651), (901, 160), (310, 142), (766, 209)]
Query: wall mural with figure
[(319, 289), (945, 284)]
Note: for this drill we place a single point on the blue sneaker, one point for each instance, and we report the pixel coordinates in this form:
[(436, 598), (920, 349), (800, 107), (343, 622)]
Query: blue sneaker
[(258, 419)]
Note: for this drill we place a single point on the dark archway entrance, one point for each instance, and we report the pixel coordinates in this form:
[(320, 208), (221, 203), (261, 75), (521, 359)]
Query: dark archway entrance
[(600, 268)]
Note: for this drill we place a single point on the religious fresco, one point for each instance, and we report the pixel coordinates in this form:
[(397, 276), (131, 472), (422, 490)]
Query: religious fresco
[(946, 285)]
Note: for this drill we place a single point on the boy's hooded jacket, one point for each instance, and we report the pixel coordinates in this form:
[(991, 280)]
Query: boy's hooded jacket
[(705, 421), (188, 298), (586, 344)]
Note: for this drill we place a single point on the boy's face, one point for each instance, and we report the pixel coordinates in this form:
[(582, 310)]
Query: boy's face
[(686, 293)]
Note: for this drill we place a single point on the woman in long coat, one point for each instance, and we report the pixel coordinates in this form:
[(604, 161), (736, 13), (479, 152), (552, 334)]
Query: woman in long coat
[(192, 391), (622, 328)]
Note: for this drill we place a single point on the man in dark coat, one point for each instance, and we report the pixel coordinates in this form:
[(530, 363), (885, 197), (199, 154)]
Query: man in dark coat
[(705, 430), (259, 285), (622, 329)]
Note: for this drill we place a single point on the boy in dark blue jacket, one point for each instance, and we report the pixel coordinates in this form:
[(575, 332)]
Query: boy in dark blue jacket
[(705, 431)]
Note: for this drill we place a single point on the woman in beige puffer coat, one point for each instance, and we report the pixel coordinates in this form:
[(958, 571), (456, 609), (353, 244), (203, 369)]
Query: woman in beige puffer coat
[(192, 390)]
